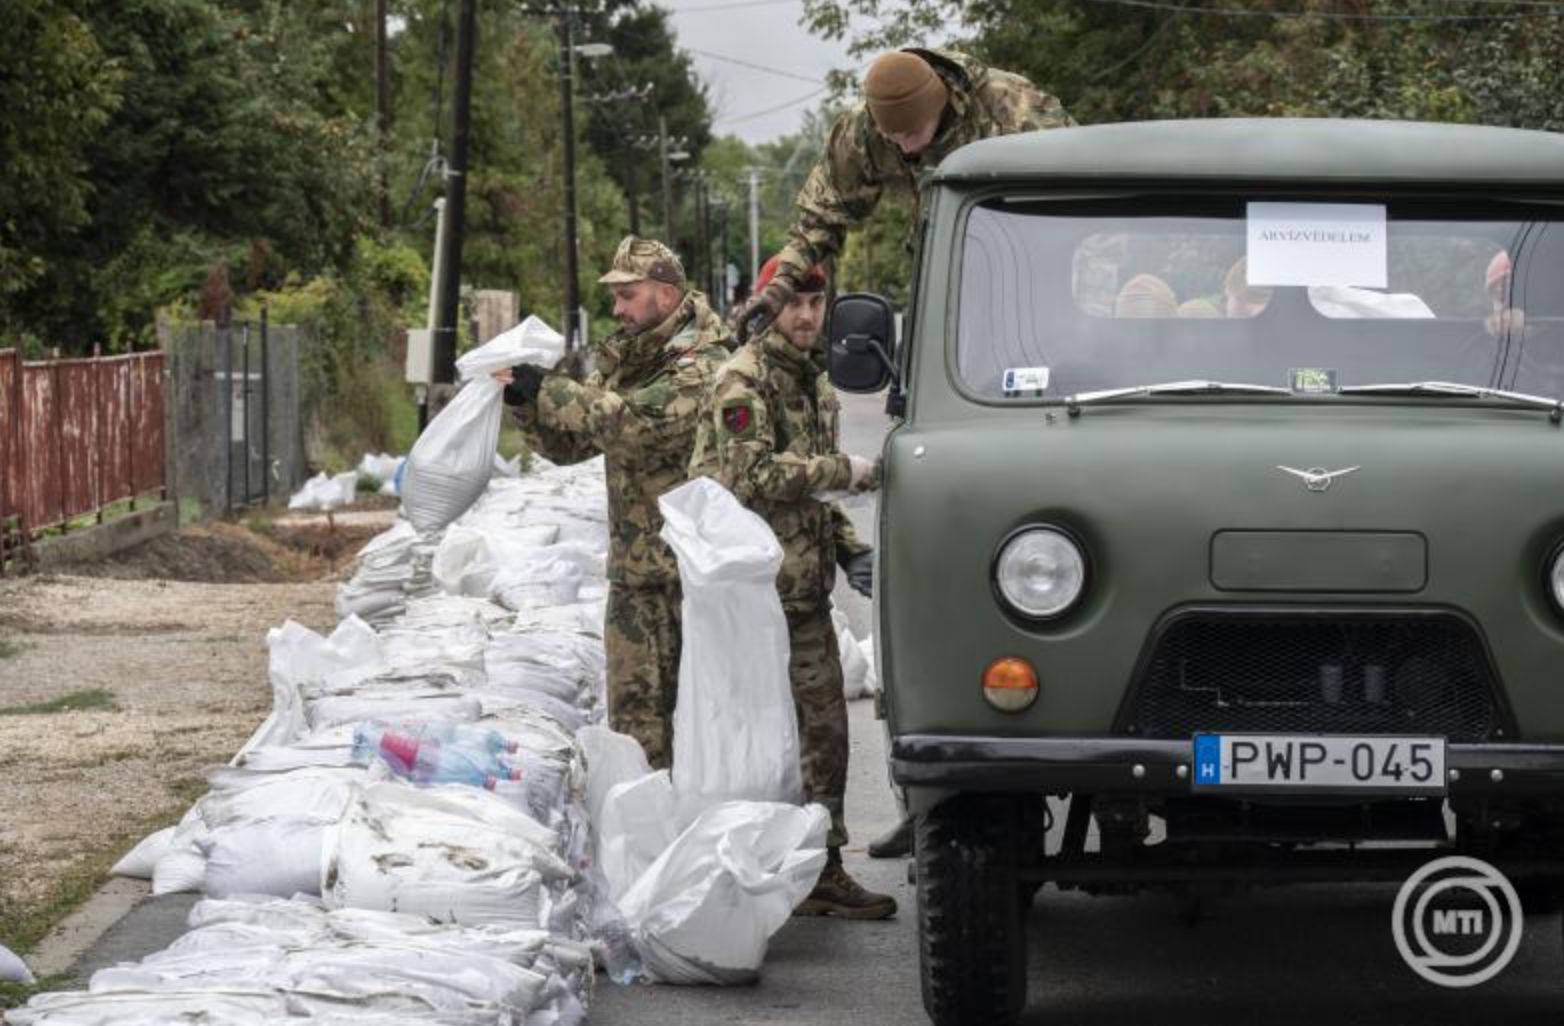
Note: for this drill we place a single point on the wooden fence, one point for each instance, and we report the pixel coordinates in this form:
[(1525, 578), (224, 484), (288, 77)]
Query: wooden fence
[(77, 436)]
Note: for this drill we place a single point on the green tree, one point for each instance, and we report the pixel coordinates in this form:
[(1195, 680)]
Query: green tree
[(56, 94)]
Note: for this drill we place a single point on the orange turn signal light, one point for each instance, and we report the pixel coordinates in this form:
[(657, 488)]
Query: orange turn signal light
[(1010, 684)]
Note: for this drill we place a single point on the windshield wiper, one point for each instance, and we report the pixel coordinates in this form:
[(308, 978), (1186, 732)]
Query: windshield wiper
[(1196, 387), (1450, 388)]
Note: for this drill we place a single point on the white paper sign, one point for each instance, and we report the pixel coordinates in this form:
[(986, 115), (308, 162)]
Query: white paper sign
[(1317, 244)]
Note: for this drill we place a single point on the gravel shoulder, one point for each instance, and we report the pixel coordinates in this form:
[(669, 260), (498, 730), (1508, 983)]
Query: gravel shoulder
[(172, 677)]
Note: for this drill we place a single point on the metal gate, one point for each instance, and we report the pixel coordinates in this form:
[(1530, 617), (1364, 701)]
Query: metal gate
[(244, 410)]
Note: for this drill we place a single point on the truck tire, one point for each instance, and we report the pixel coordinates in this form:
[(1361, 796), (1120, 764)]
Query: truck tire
[(971, 929)]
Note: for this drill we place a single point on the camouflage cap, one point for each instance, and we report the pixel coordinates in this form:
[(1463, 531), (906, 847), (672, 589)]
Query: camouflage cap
[(639, 259)]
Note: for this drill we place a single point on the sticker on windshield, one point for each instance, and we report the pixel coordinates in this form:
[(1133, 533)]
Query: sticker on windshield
[(1312, 380), (1317, 244), (1025, 379)]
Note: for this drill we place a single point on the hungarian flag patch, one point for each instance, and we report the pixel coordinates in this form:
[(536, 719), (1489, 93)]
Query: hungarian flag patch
[(739, 419)]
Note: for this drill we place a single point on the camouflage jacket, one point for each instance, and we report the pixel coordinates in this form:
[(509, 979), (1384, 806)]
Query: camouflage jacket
[(859, 164), (769, 434), (638, 408)]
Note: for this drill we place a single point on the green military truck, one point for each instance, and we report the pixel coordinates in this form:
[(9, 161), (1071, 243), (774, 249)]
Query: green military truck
[(1224, 520)]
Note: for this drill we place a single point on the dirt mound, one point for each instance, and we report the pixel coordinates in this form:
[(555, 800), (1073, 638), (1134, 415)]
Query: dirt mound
[(228, 553)]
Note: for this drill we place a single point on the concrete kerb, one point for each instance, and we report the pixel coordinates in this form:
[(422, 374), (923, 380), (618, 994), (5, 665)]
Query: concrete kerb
[(73, 936)]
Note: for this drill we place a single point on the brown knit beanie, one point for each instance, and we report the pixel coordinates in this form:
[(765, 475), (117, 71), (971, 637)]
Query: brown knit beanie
[(903, 93)]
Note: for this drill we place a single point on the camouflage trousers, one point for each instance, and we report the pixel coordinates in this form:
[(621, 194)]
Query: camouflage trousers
[(815, 668), (642, 636)]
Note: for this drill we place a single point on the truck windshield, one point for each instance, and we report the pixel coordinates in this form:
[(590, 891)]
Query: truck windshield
[(1060, 298)]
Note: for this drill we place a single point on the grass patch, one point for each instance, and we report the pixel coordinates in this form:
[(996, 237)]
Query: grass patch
[(76, 701), (9, 649), (23, 926)]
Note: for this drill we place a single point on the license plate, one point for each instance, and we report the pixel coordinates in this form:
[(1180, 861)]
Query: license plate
[(1299, 762)]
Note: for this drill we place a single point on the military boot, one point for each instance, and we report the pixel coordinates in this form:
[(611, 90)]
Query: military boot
[(839, 895)]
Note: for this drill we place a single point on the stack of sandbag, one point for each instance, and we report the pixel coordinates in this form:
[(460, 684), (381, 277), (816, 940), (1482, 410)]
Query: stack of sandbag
[(264, 961), (393, 567)]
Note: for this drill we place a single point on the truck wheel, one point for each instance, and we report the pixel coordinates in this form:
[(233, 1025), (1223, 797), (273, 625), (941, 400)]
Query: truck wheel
[(971, 929)]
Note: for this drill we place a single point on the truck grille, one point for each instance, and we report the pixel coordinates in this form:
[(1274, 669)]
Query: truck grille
[(1328, 673)]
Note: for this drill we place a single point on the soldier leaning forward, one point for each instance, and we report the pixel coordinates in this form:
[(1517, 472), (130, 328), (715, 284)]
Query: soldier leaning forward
[(639, 408), (919, 106), (770, 436)]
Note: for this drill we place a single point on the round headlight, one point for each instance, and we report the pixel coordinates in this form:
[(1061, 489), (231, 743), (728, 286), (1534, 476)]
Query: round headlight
[(1556, 578), (1040, 572)]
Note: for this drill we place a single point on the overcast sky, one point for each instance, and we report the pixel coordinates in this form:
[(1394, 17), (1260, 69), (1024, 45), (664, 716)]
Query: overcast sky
[(716, 33)]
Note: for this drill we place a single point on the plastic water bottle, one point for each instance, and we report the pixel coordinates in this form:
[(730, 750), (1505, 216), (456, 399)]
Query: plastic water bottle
[(620, 956), (398, 748), (452, 731), (456, 764)]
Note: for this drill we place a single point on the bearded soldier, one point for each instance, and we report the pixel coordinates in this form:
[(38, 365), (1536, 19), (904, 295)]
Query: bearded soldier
[(638, 408), (770, 436), (918, 107)]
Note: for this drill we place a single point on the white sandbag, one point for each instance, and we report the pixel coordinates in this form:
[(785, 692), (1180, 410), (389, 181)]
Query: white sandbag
[(455, 854), (637, 822), (380, 469), (421, 704), (273, 856), (239, 796), (871, 674), (855, 669), (735, 732), (243, 1006), (450, 464), (611, 758), (140, 862), (13, 969), (180, 871), (706, 909), (324, 492)]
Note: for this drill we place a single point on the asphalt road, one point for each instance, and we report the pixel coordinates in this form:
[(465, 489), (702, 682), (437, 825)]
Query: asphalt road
[(1310, 956)]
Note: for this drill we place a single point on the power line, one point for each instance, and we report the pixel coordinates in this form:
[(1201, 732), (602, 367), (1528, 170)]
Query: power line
[(771, 110), (753, 66), (1545, 10)]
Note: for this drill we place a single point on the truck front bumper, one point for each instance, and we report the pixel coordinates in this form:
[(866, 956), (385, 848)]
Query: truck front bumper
[(1101, 765)]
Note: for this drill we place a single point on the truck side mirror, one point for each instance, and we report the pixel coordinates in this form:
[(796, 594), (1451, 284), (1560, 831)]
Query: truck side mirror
[(862, 342)]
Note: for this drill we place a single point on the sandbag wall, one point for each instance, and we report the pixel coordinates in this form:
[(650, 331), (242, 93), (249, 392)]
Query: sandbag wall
[(338, 891)]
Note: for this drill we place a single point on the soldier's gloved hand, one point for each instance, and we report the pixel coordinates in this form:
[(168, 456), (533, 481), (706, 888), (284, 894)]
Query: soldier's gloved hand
[(526, 380), (860, 573), (762, 308), (865, 475)]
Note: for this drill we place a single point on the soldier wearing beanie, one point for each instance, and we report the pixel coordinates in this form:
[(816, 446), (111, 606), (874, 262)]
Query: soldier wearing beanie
[(769, 433), (918, 107), (638, 409)]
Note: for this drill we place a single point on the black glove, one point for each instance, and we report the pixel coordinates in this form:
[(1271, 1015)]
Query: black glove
[(860, 573), (526, 380), (762, 308)]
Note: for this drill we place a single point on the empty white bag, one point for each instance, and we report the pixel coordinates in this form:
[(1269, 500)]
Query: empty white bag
[(735, 732), (706, 909), (450, 464)]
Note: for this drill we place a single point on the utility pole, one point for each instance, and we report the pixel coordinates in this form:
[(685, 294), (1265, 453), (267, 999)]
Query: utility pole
[(566, 88), (662, 144), (382, 108), (632, 193), (754, 224), (450, 261)]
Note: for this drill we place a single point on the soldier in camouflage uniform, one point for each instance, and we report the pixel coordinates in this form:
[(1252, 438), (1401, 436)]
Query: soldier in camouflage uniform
[(639, 408), (770, 436), (919, 106)]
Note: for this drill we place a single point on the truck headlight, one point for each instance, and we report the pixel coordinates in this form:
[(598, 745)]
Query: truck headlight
[(1040, 572), (1556, 578)]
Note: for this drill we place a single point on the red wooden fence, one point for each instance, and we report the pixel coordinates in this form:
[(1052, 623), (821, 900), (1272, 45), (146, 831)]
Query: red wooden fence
[(76, 436)]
